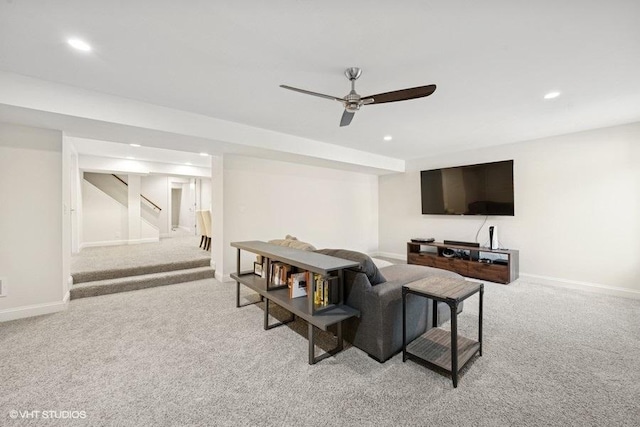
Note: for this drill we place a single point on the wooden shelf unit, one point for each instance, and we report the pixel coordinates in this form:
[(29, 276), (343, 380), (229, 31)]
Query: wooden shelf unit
[(317, 316), (321, 317), (431, 255)]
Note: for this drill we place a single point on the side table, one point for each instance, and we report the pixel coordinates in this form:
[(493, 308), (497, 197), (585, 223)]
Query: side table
[(439, 348)]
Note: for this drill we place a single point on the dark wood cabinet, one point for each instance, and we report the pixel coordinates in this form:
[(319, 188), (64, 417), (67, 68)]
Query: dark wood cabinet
[(467, 261)]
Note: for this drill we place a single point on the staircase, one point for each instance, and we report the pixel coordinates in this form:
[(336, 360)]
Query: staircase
[(103, 282), (117, 188)]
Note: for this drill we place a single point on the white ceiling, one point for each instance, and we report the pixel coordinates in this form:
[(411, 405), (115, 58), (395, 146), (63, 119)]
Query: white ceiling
[(492, 62)]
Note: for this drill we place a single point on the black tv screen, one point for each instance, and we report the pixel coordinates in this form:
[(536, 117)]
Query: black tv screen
[(484, 189)]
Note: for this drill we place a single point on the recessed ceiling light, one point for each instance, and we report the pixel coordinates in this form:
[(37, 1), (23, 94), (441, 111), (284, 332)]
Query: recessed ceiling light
[(135, 145), (552, 95), (204, 154), (79, 44), (130, 158), (388, 138)]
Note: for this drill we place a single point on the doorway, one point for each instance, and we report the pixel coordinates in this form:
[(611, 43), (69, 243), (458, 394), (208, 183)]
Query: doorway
[(176, 198)]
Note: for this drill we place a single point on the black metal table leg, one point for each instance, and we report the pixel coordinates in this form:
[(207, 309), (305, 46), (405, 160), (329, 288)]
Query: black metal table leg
[(267, 326), (480, 321), (237, 294), (404, 324), (238, 273), (434, 321), (312, 351), (454, 344)]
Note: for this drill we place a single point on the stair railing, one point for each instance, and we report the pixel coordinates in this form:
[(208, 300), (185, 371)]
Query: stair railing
[(147, 200)]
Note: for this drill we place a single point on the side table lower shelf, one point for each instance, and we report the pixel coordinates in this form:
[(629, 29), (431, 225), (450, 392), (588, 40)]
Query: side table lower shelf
[(434, 347)]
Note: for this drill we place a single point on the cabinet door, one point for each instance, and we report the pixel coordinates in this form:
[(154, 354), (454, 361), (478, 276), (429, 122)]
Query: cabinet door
[(490, 272), (422, 259), (452, 264)]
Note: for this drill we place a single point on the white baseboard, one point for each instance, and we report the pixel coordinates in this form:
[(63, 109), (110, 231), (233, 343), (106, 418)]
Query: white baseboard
[(34, 310), (118, 242), (582, 286), (145, 240), (222, 278), (103, 243), (402, 257)]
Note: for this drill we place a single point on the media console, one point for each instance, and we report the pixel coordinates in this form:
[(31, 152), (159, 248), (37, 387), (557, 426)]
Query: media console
[(467, 261)]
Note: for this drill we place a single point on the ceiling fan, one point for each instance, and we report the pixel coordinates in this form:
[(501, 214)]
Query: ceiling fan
[(353, 101)]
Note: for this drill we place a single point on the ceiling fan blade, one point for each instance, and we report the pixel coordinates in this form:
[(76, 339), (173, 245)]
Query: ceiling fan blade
[(402, 95), (308, 92), (347, 116)]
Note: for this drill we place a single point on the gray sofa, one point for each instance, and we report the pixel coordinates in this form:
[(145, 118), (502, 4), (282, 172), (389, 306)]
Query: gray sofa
[(377, 294)]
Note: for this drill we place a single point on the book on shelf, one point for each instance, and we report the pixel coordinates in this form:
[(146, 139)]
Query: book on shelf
[(324, 290), (298, 284), (279, 273)]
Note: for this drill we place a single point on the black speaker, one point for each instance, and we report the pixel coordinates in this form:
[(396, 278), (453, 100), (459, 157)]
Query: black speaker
[(491, 238)]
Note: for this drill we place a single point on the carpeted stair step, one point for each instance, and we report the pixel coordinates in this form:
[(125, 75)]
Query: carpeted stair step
[(132, 283), (93, 276)]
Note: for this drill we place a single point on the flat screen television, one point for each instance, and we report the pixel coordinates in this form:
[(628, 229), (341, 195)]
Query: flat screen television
[(483, 189)]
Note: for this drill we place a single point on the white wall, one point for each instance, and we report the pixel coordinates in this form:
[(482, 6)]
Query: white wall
[(266, 199), (31, 219), (187, 220), (205, 194), (218, 247), (155, 188), (104, 220), (577, 208)]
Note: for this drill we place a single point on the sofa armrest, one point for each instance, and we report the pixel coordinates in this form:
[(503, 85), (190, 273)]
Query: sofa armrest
[(356, 285)]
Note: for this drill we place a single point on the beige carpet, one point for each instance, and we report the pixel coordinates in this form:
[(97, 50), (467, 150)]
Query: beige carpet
[(183, 355), (180, 247)]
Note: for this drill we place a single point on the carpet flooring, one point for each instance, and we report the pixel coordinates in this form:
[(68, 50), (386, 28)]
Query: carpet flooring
[(183, 355), (180, 246)]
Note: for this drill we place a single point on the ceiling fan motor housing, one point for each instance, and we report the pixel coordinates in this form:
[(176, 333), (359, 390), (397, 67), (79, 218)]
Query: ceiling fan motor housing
[(352, 101)]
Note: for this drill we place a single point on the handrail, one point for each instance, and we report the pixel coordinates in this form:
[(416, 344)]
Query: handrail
[(119, 179)]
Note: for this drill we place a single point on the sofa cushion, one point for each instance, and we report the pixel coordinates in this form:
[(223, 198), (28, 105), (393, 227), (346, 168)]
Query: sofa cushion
[(293, 242), (367, 266), (407, 273)]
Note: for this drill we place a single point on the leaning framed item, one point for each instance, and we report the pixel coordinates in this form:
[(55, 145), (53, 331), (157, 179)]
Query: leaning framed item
[(257, 269)]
